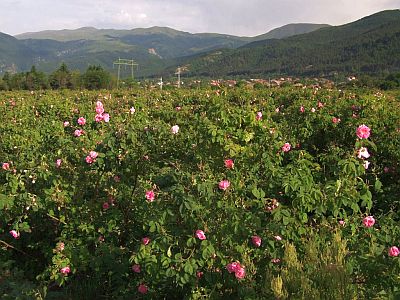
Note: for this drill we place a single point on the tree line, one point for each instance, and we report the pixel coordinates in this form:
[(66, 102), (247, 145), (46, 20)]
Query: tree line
[(95, 77)]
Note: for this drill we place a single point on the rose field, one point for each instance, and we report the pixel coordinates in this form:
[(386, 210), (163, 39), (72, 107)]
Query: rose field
[(235, 193)]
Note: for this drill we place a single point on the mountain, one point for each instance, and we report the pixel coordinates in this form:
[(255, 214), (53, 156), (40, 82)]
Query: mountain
[(13, 54), (369, 45), (289, 30)]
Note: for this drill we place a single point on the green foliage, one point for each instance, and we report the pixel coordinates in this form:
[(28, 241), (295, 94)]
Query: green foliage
[(81, 224)]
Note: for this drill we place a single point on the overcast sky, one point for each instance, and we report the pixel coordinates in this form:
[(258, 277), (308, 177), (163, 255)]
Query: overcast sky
[(238, 17)]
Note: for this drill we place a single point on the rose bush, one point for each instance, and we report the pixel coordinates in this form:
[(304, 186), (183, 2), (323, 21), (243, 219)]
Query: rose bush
[(145, 208)]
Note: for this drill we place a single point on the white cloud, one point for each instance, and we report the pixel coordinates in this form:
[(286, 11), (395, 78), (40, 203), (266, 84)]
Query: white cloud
[(238, 17)]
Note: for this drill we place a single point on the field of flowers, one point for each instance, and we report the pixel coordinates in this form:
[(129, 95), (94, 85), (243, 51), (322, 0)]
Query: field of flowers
[(235, 193)]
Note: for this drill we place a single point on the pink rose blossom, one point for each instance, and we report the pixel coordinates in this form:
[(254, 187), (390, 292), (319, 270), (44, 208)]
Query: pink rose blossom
[(15, 234), (277, 109), (369, 221), (259, 116), (93, 154), (143, 289), (256, 240), (98, 118), (5, 166), (240, 273), (233, 267), (178, 108), (363, 131), (117, 178), (313, 109), (394, 251), (175, 129), (99, 108), (150, 196), (320, 104), (132, 110), (81, 121), (58, 163), (302, 109), (342, 222), (386, 169), (106, 118), (145, 240), (66, 124), (286, 147), (78, 132), (278, 237), (228, 163), (136, 268), (89, 159), (363, 153), (65, 270), (106, 205), (224, 185), (335, 120), (199, 274), (200, 234)]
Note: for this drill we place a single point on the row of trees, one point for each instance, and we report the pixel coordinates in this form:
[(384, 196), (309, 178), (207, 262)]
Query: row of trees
[(95, 77)]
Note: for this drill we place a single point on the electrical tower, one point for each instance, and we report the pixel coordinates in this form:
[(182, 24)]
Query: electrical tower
[(124, 62)]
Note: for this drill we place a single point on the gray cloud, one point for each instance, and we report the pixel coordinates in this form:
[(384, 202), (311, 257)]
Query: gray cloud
[(250, 17)]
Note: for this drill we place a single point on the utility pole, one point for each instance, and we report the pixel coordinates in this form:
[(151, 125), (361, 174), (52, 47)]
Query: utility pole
[(124, 62), (178, 72), (161, 83)]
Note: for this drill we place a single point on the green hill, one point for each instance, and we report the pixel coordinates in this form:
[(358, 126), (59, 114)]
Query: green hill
[(369, 45)]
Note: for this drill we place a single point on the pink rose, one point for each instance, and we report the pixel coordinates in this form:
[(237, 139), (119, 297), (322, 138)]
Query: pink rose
[(233, 267), (66, 123), (81, 121), (132, 110), (240, 273), (106, 118), (224, 185), (259, 116), (15, 234), (78, 132), (363, 153), (199, 274), (363, 131), (6, 166), (106, 205), (136, 268), (228, 163), (320, 104), (58, 163), (278, 238), (313, 109), (342, 222), (65, 270), (89, 159), (93, 154), (98, 118), (394, 251), (200, 234), (150, 196), (178, 108), (335, 120), (145, 240), (143, 289), (99, 108), (302, 109), (175, 129), (256, 240), (286, 147), (369, 221)]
